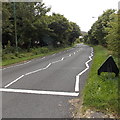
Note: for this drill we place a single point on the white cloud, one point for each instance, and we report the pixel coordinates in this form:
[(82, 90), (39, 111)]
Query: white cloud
[(81, 11)]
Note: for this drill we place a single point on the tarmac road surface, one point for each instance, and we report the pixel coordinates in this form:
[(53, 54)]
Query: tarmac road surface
[(42, 87)]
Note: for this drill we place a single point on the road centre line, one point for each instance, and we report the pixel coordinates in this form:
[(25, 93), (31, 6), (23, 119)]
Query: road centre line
[(32, 72), (35, 71), (14, 81), (58, 60), (27, 62), (26, 75), (49, 92), (78, 76), (38, 70), (38, 92)]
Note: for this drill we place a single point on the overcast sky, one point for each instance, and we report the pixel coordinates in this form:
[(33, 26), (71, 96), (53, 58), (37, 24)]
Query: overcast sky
[(81, 11)]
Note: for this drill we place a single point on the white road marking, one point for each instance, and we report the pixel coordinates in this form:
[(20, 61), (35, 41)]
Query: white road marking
[(47, 66), (78, 76), (67, 56), (62, 58), (20, 64), (53, 54), (74, 53), (27, 62), (38, 70), (32, 72), (17, 65), (25, 75), (58, 61), (39, 92), (14, 81), (43, 58)]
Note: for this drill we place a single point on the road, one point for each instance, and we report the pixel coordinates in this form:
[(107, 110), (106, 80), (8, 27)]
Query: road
[(42, 87)]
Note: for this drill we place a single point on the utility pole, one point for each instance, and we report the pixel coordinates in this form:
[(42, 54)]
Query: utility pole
[(16, 42)]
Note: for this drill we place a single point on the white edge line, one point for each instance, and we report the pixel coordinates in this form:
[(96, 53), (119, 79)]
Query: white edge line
[(17, 65), (78, 76), (39, 92), (29, 62), (20, 64), (34, 71)]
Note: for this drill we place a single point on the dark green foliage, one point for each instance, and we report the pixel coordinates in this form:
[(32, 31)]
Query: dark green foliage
[(113, 36), (106, 32), (26, 16), (101, 92), (97, 33), (34, 27)]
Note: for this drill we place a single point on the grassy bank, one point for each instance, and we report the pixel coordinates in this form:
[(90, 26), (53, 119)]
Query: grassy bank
[(101, 92), (11, 58)]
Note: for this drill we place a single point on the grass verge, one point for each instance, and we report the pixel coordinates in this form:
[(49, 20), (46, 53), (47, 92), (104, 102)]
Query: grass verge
[(101, 92), (12, 58)]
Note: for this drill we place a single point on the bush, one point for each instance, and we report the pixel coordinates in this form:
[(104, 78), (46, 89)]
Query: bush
[(8, 56), (44, 50)]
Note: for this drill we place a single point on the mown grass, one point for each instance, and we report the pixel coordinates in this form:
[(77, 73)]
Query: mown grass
[(11, 58), (101, 92)]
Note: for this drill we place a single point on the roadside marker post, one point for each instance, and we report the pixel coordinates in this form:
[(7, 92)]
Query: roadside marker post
[(109, 66)]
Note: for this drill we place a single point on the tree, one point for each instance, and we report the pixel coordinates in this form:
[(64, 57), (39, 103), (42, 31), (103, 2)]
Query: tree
[(27, 13), (64, 31), (113, 36), (59, 26), (97, 32), (7, 26), (74, 33), (35, 28)]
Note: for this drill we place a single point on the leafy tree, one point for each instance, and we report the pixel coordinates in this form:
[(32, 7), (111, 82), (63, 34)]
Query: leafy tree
[(97, 32), (74, 33), (59, 26), (113, 36), (64, 31), (35, 28), (26, 15), (7, 27)]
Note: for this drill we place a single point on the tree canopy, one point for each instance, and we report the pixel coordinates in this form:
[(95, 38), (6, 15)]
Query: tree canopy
[(34, 27), (106, 31), (97, 32)]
